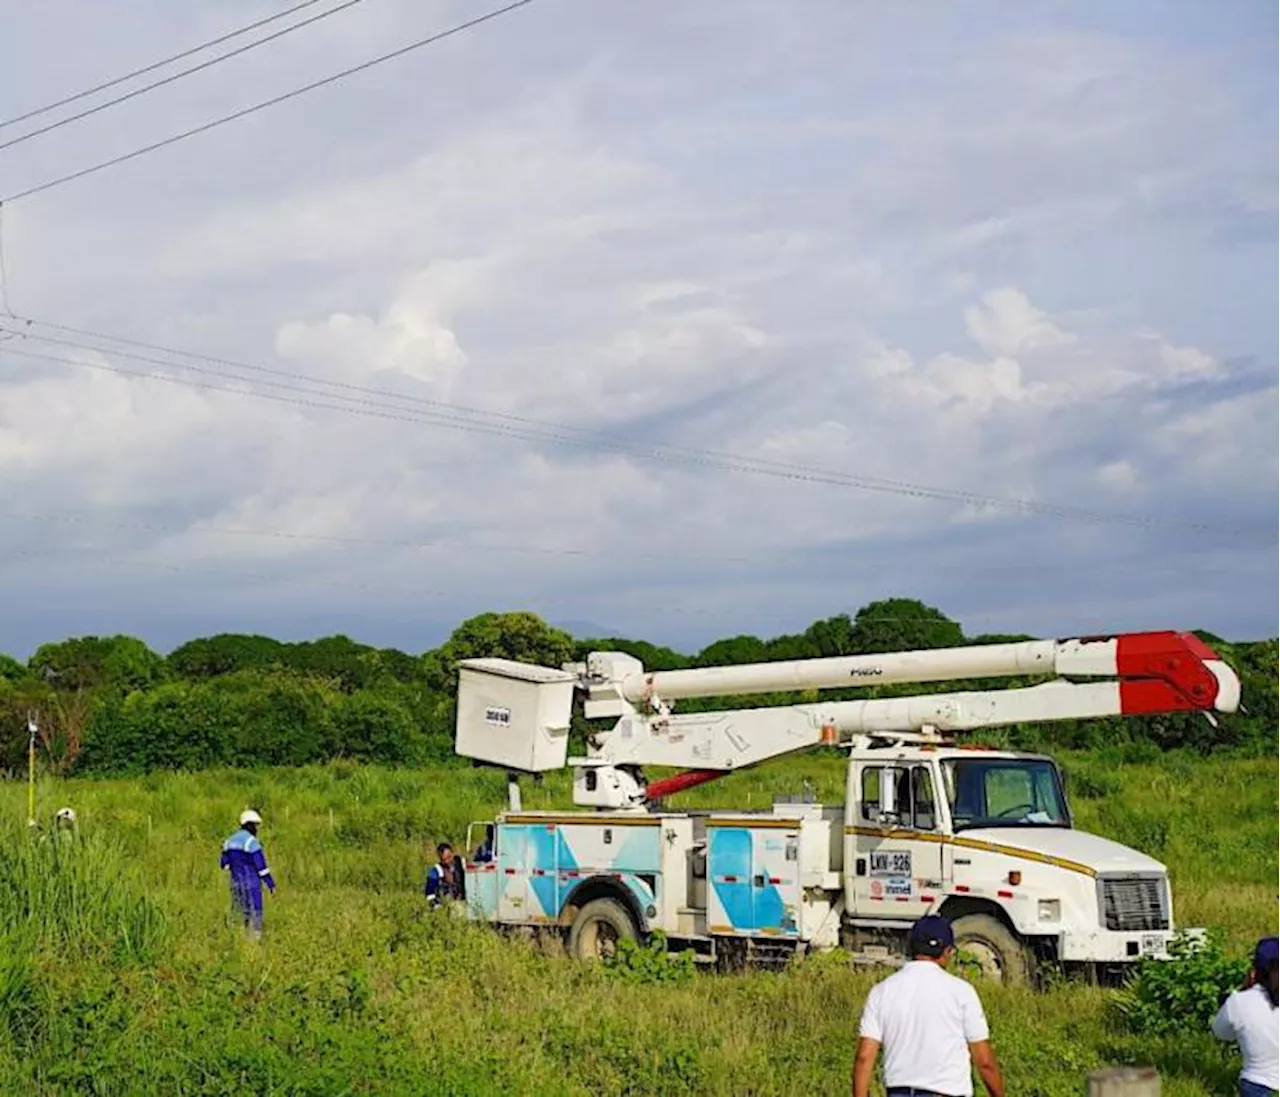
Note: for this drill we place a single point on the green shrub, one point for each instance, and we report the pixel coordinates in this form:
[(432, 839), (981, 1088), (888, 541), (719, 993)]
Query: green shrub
[(245, 718), (371, 727), (650, 962), (1184, 993), (118, 664)]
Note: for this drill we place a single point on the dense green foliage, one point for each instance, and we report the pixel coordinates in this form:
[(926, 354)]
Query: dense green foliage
[(651, 962), (356, 989), (111, 705), (1183, 994)]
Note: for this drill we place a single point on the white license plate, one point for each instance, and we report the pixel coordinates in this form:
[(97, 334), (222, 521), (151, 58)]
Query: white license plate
[(1152, 945)]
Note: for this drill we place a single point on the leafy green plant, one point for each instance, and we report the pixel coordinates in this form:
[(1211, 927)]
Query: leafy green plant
[(650, 962), (966, 965), (1184, 993)]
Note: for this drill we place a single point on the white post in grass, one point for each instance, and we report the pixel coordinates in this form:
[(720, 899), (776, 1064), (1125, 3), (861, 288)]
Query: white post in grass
[(1125, 1082)]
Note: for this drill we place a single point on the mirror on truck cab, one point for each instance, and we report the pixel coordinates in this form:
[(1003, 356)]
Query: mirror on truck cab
[(891, 780), (880, 795), (888, 796)]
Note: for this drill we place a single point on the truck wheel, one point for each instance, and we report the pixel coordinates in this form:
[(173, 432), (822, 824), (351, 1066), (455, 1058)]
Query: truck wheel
[(598, 928), (999, 954)]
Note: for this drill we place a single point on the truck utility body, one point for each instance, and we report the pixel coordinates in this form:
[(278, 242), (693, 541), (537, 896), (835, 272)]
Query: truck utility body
[(928, 825)]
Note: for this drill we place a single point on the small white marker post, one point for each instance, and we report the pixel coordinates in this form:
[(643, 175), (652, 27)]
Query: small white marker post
[(32, 730)]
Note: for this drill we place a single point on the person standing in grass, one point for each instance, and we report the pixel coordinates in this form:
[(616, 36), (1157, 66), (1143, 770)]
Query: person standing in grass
[(245, 860), (64, 830), (445, 880), (65, 821), (930, 1024), (1249, 1018)]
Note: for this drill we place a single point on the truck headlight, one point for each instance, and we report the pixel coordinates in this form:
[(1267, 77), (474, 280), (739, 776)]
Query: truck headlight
[(1049, 910)]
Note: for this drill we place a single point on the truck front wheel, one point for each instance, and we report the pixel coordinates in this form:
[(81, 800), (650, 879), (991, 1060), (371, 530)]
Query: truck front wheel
[(598, 928), (991, 944)]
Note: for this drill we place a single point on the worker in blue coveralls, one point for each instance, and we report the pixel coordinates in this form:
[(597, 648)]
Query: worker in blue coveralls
[(242, 855), (445, 880)]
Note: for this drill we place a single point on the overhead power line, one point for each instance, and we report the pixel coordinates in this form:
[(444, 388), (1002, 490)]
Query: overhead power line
[(175, 77), (4, 276), (1140, 561), (303, 391), (522, 549), (106, 84), (470, 414), (579, 604), (584, 603), (264, 104)]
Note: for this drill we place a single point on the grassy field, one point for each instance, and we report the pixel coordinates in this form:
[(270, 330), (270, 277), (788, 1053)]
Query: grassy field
[(140, 987)]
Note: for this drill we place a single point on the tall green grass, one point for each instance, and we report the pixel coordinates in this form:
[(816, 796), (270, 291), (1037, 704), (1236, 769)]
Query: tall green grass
[(75, 895), (121, 972)]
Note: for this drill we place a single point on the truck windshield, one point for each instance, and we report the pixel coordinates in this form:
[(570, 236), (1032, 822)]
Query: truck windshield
[(1004, 792)]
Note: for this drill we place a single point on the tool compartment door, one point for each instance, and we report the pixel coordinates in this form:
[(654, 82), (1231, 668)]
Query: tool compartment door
[(754, 871), (526, 872)]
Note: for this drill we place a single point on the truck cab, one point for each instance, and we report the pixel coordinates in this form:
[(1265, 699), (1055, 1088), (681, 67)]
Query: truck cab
[(985, 837)]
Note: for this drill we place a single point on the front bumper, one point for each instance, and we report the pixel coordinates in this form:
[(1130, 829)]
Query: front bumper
[(1120, 947)]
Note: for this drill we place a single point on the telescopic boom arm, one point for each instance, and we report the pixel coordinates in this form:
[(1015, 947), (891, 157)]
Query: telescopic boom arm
[(1152, 672)]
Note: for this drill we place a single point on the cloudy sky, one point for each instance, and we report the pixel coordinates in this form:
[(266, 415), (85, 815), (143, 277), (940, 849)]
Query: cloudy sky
[(651, 318)]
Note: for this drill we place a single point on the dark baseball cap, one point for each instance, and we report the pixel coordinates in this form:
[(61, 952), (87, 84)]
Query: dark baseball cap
[(1266, 953), (931, 936)]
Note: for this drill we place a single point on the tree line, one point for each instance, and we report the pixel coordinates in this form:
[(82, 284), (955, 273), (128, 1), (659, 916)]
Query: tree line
[(113, 705)]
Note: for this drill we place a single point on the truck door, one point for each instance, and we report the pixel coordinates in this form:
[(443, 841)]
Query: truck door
[(482, 871), (897, 865)]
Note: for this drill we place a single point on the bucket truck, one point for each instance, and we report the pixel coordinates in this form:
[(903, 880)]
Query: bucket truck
[(929, 824)]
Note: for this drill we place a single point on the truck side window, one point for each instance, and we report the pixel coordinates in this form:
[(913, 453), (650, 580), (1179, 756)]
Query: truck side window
[(871, 792), (923, 813)]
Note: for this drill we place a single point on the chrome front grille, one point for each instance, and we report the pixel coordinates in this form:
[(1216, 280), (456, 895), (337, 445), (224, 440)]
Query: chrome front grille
[(1132, 903)]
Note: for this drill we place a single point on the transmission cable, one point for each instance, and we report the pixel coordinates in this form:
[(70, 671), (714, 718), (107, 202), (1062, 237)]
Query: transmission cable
[(575, 604), (522, 548), (156, 65), (452, 410), (466, 420), (264, 104), (176, 76), (1133, 561), (5, 307)]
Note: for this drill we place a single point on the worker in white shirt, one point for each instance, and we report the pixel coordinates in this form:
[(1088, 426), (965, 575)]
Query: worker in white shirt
[(929, 1023), (1249, 1018)]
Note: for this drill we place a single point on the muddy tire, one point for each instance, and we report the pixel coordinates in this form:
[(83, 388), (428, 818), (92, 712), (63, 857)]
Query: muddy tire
[(1000, 955), (598, 928)]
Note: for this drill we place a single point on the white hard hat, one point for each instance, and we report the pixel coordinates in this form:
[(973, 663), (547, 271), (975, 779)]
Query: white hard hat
[(249, 816), (66, 813)]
